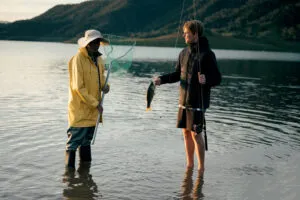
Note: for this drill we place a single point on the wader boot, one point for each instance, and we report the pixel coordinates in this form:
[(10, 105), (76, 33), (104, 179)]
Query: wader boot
[(85, 153), (70, 159), (84, 169)]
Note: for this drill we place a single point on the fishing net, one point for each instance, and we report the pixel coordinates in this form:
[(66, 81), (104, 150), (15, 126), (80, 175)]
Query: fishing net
[(119, 52), (118, 56)]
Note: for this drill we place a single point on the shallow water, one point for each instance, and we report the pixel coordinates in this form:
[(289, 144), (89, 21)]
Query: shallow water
[(253, 130)]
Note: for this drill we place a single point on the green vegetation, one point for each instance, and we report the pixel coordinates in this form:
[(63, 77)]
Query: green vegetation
[(232, 24)]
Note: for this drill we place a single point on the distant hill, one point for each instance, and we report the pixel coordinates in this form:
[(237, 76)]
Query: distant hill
[(239, 24)]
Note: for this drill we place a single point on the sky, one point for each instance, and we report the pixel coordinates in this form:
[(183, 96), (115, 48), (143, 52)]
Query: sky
[(12, 10)]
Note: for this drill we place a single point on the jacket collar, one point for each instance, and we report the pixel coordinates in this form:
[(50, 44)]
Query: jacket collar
[(86, 53)]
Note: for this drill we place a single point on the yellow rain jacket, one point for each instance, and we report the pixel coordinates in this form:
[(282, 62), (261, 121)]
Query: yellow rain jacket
[(84, 92)]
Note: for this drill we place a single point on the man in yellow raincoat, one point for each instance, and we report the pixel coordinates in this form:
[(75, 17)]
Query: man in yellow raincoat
[(86, 82)]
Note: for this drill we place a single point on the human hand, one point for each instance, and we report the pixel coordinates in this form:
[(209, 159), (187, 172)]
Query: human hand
[(100, 108), (156, 81), (202, 78), (106, 89)]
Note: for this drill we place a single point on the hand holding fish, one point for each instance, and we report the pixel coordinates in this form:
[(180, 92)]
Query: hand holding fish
[(156, 81), (202, 78)]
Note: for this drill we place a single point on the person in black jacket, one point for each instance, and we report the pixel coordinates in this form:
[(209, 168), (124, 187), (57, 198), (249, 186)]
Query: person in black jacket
[(197, 72)]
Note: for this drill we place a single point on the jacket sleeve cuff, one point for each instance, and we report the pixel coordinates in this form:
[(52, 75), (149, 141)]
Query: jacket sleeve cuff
[(163, 79)]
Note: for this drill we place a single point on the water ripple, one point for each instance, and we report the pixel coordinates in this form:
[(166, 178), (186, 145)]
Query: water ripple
[(252, 125)]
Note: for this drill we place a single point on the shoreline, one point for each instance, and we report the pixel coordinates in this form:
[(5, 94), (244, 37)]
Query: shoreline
[(216, 42)]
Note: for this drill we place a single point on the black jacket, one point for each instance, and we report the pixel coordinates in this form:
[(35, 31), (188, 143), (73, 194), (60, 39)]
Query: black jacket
[(193, 59)]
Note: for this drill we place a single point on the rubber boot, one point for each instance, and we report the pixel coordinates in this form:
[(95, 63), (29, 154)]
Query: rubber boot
[(85, 153), (70, 159), (84, 169)]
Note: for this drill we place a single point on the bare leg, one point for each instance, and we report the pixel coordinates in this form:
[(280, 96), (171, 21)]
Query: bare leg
[(189, 147), (200, 151)]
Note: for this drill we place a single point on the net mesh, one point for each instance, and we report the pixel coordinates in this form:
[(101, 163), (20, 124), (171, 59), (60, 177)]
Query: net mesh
[(119, 52)]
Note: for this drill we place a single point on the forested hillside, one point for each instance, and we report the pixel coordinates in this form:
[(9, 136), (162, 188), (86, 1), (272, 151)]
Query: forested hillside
[(158, 20)]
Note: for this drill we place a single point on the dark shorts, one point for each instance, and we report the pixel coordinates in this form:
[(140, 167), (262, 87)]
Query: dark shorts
[(188, 118), (79, 136)]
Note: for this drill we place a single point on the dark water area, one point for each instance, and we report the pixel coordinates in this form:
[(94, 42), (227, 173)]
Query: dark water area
[(252, 125), (268, 88)]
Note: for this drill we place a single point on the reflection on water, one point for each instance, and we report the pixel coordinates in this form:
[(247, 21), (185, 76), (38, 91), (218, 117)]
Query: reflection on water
[(80, 184), (252, 125), (189, 189)]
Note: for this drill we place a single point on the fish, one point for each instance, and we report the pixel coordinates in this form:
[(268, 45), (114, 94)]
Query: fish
[(150, 95)]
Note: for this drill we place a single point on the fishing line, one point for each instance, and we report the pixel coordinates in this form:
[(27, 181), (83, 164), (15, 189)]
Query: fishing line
[(194, 5), (178, 31), (180, 21)]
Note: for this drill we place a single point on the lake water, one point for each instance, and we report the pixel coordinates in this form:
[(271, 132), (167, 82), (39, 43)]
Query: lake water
[(252, 125)]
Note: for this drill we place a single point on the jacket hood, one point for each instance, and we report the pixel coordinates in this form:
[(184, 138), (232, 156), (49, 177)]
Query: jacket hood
[(202, 43)]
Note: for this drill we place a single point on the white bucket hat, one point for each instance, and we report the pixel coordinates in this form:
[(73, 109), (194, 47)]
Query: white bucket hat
[(89, 36)]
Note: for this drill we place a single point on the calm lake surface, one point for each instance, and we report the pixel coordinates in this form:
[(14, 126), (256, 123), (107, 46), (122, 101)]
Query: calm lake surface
[(252, 125)]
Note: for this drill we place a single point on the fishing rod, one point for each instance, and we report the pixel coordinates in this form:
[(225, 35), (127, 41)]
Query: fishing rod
[(201, 85), (202, 107), (105, 84)]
